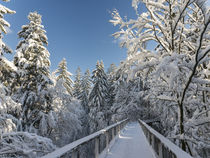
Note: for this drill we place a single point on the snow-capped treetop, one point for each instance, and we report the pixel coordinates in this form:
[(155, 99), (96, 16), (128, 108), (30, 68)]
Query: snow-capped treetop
[(33, 65), (31, 51), (3, 28), (4, 23), (77, 84), (99, 92), (86, 82), (64, 76), (112, 69), (85, 89), (62, 69), (34, 29), (6, 67)]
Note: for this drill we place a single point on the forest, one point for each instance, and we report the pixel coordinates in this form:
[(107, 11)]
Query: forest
[(42, 110)]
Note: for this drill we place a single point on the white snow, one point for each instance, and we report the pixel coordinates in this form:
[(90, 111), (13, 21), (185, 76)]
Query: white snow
[(131, 144)]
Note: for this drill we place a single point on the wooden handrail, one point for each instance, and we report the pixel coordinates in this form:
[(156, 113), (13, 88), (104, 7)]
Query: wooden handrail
[(163, 147), (73, 147)]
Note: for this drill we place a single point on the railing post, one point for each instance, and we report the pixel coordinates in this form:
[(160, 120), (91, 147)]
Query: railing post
[(112, 133), (153, 141), (118, 130), (96, 147), (150, 138), (160, 147), (74, 154), (107, 139)]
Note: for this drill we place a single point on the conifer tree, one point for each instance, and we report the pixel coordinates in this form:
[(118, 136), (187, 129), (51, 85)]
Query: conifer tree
[(14, 143), (111, 76), (8, 108), (63, 77), (77, 84), (99, 92), (98, 98), (6, 67), (32, 61), (111, 81), (85, 87), (3, 25), (111, 70)]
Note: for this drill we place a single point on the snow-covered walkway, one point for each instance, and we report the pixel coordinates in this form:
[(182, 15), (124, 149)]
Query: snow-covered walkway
[(131, 144)]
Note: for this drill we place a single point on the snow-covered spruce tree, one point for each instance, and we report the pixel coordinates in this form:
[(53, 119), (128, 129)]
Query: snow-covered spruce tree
[(68, 110), (112, 69), (64, 78), (177, 72), (3, 29), (24, 145), (77, 84), (32, 62), (84, 97), (12, 142), (68, 122), (121, 100), (6, 67), (111, 76), (121, 94), (128, 102), (111, 73), (9, 110), (98, 99), (85, 90)]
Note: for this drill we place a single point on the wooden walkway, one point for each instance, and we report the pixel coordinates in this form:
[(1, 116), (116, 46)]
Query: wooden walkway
[(131, 143)]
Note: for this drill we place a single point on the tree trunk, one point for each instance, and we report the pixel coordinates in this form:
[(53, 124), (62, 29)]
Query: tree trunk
[(181, 123)]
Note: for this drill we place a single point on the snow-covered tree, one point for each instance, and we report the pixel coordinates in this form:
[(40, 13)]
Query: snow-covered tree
[(9, 110), (175, 73), (99, 92), (98, 98), (84, 97), (77, 84), (6, 67), (64, 78), (12, 142), (3, 28), (85, 89), (68, 123), (24, 145), (32, 61), (112, 69), (67, 110), (128, 101), (111, 77)]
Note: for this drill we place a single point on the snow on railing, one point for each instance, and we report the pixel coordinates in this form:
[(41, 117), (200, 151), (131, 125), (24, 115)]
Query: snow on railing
[(163, 147), (73, 148), (152, 120)]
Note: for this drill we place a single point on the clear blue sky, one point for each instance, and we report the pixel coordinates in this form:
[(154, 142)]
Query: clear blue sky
[(77, 29)]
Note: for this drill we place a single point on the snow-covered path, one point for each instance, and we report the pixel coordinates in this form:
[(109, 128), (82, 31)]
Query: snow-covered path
[(131, 144)]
